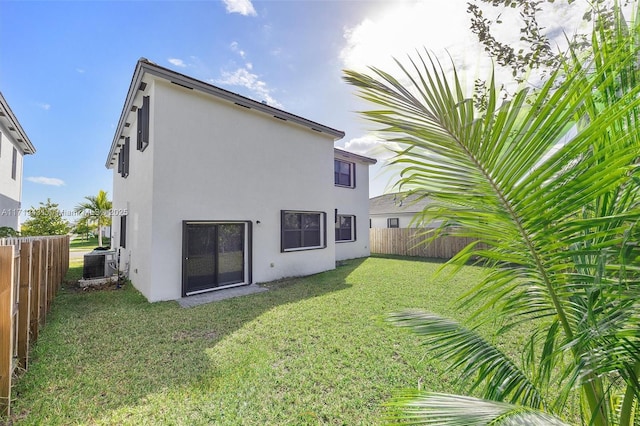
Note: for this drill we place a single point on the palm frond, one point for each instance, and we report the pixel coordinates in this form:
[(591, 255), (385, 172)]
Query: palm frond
[(425, 408), (479, 362)]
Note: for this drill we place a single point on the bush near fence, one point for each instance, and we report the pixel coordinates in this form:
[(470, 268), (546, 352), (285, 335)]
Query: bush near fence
[(411, 242), (31, 272)]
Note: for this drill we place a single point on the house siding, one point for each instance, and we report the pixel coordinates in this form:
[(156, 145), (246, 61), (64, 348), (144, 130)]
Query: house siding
[(10, 189), (134, 196), (216, 156), (213, 160), (354, 201)]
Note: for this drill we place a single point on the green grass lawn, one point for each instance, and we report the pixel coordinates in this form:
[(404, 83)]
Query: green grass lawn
[(312, 350), (81, 244)]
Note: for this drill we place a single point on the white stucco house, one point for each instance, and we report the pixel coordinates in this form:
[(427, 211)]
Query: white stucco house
[(397, 210), (14, 145), (215, 190)]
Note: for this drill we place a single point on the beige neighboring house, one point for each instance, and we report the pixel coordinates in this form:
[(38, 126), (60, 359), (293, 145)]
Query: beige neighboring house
[(396, 210), (14, 145)]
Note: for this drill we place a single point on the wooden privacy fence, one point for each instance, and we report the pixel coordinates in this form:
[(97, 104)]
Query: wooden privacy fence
[(409, 242), (31, 272)]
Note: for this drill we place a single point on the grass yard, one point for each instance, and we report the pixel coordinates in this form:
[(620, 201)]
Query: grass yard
[(81, 244), (312, 350)]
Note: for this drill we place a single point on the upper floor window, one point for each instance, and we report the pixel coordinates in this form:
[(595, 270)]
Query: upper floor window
[(123, 159), (344, 173), (393, 222), (303, 230), (345, 228), (143, 125), (14, 164)]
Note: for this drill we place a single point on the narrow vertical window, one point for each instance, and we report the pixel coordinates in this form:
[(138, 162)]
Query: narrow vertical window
[(123, 231), (123, 159), (125, 168), (143, 125), (14, 164)]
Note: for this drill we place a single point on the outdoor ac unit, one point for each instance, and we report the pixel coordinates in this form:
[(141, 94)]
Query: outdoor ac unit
[(99, 264)]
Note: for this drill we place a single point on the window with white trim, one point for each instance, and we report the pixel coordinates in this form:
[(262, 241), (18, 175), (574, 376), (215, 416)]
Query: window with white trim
[(344, 173), (393, 222), (302, 230), (345, 228)]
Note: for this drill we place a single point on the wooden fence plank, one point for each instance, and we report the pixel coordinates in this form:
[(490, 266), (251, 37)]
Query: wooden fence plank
[(36, 267), (6, 326), (411, 242), (24, 304), (31, 272)]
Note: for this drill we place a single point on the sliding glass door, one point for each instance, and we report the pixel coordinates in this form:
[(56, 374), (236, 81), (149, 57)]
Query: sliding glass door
[(215, 255)]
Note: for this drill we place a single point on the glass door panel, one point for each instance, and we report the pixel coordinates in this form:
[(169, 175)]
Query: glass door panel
[(200, 257), (230, 254), (214, 255)]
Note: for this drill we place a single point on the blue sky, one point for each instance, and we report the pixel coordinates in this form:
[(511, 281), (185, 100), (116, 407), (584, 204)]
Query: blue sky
[(65, 67)]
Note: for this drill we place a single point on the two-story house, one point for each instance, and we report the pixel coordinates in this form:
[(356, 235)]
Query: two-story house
[(14, 145), (214, 190)]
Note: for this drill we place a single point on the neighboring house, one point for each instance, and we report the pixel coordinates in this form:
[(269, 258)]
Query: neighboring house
[(397, 211), (14, 145), (215, 190)]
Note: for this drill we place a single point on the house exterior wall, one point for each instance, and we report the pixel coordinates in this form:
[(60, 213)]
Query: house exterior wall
[(405, 220), (133, 198), (209, 159), (10, 189), (380, 221), (355, 201)]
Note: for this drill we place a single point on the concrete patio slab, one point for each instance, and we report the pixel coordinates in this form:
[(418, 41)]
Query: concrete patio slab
[(217, 295)]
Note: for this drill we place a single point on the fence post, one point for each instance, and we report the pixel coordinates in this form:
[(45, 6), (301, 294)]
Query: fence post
[(24, 304), (36, 259), (6, 329)]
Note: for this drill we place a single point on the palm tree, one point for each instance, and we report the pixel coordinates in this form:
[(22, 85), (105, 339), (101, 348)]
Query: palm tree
[(96, 209), (555, 225)]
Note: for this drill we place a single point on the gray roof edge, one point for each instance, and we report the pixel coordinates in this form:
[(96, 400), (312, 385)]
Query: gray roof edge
[(27, 146), (386, 203), (354, 156), (145, 66)]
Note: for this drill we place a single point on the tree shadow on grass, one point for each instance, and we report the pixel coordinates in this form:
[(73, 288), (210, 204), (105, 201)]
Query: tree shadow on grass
[(106, 350)]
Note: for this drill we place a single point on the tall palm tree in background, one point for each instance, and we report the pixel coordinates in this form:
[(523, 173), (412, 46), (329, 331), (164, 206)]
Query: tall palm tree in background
[(555, 223), (96, 210)]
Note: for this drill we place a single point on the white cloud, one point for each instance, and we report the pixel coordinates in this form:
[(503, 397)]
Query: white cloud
[(442, 27), (371, 145), (235, 47), (177, 62), (80, 70), (44, 106), (244, 78), (243, 7), (46, 180)]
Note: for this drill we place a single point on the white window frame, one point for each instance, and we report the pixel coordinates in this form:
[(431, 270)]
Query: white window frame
[(322, 230), (353, 227)]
